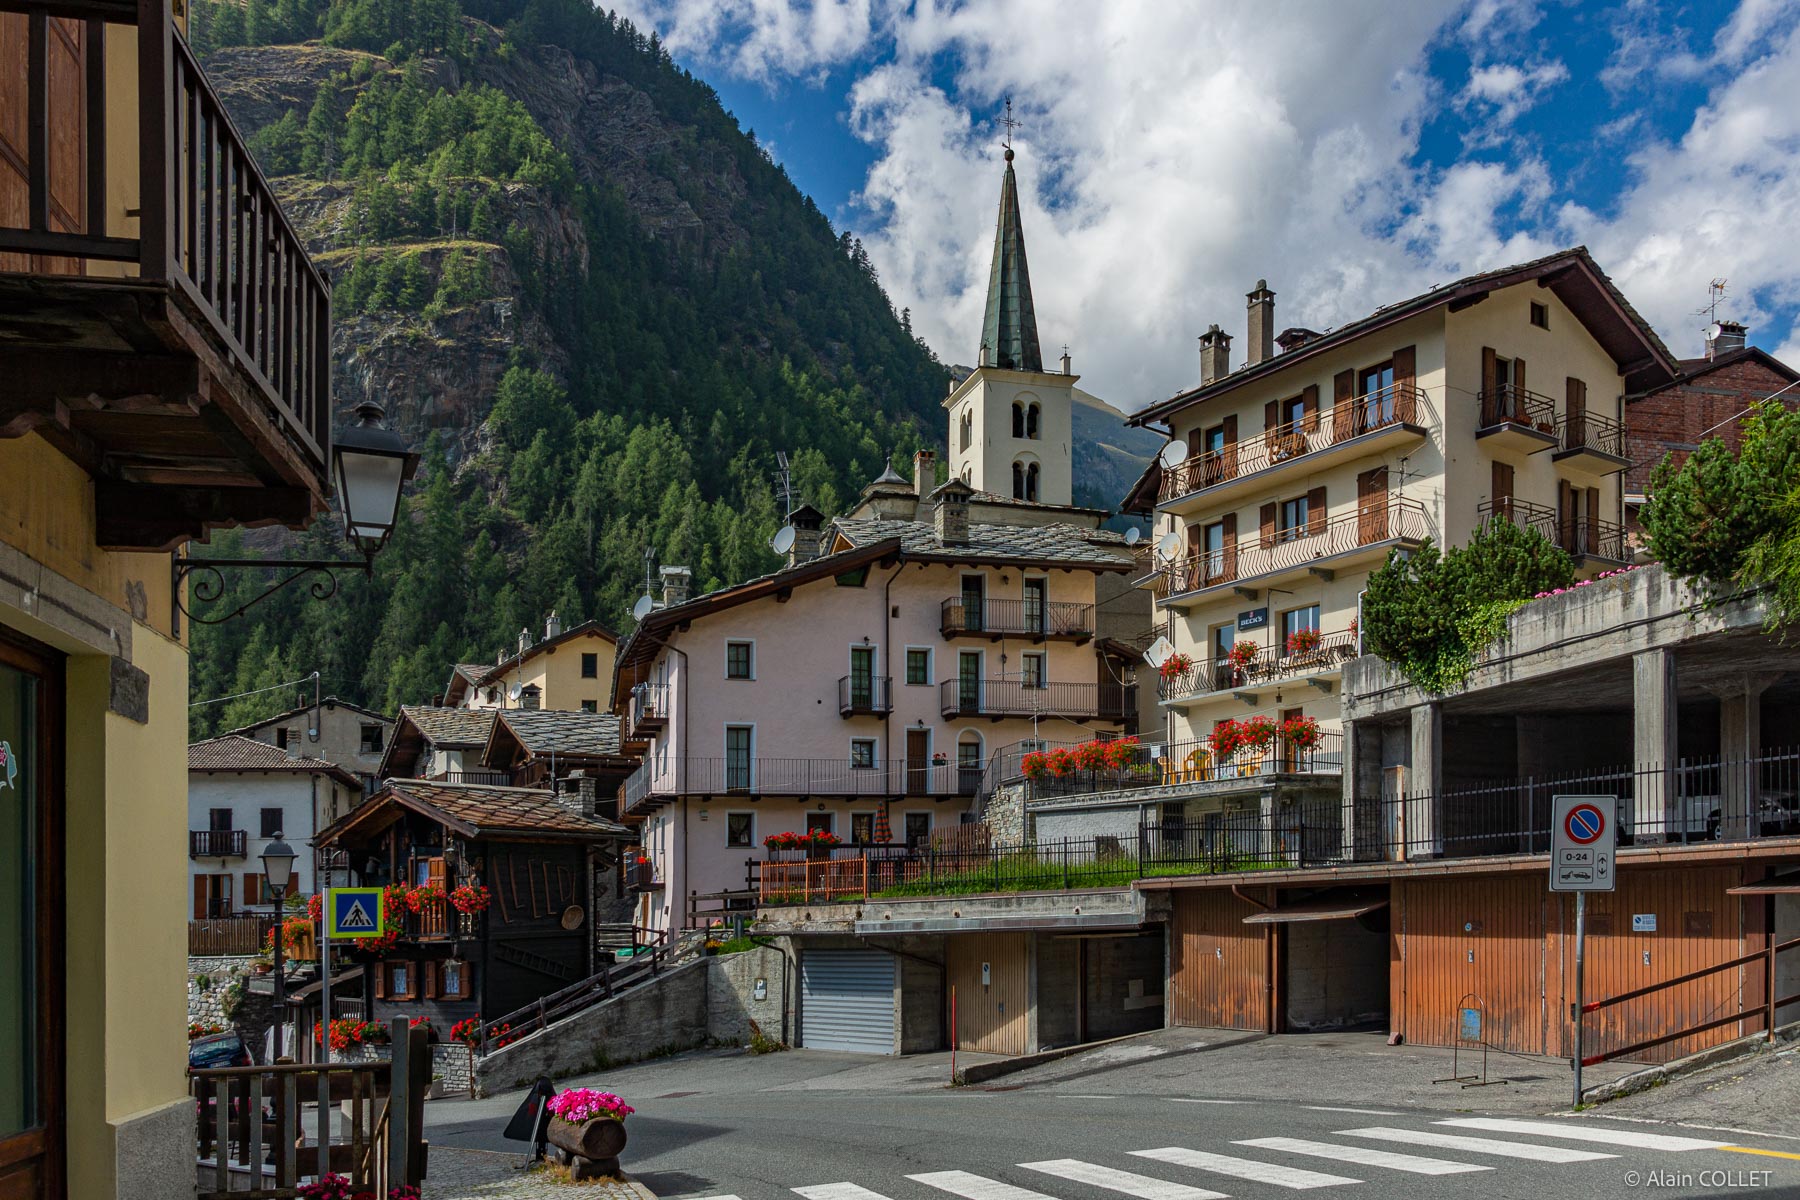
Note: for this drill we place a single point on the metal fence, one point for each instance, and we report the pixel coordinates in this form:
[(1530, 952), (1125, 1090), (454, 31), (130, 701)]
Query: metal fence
[(1178, 764)]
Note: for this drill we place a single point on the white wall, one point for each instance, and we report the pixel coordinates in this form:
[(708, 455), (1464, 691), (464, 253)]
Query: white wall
[(247, 795)]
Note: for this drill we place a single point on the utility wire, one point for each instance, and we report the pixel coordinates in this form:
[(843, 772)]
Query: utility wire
[(274, 687)]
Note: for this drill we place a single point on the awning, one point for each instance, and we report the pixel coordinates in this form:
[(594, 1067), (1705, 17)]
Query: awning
[(347, 975), (1768, 887), (1339, 907)]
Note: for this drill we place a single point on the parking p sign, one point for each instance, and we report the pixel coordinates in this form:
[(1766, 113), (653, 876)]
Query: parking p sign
[(353, 912), (1583, 833)]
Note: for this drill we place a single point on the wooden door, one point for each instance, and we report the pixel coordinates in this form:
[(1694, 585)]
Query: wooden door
[(1371, 506), (862, 677), (1036, 605), (918, 762), (974, 597), (66, 191), (1502, 489), (968, 682)]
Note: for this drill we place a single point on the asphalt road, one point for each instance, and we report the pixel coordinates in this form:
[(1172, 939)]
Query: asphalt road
[(833, 1127)]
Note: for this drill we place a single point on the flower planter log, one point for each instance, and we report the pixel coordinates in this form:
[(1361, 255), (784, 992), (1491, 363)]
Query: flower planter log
[(590, 1149)]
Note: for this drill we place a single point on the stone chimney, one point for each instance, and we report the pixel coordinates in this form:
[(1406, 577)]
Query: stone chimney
[(1732, 335), (552, 626), (1295, 337), (524, 641), (1261, 342), (924, 472), (809, 524), (675, 581), (950, 512), (1215, 355)]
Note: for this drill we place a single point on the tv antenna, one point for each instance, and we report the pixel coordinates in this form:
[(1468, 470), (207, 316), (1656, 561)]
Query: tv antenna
[(784, 482), (1715, 293), (1009, 124), (647, 601)]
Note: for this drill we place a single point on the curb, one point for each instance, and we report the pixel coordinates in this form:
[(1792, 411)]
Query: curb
[(983, 1072), (1747, 1047)]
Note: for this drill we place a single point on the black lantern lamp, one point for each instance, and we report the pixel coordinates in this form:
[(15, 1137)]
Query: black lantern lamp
[(278, 872)]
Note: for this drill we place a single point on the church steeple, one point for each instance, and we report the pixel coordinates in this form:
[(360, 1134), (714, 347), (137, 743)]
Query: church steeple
[(1009, 334)]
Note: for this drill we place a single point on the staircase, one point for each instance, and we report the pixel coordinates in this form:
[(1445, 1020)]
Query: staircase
[(652, 955)]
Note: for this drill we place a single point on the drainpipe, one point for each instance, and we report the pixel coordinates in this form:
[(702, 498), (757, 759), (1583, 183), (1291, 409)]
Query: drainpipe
[(686, 752)]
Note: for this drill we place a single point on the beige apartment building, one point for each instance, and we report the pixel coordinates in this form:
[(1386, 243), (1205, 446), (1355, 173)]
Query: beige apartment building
[(1496, 397)]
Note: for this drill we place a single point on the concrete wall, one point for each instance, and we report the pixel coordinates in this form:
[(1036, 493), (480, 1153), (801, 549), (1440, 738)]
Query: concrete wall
[(1337, 975), (1124, 985), (1056, 824), (731, 995)]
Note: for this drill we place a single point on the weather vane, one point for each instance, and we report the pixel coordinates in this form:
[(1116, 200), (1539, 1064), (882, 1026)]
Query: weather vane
[(1010, 124)]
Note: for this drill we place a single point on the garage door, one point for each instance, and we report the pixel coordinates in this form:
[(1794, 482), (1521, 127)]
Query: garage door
[(847, 1000)]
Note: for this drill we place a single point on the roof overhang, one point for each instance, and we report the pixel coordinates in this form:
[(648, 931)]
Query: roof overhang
[(1337, 906)]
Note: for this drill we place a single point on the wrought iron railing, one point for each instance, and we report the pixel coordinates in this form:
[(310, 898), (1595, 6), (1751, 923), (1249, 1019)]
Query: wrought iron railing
[(217, 843), (648, 711), (1510, 405), (1016, 618), (1582, 536), (1330, 651), (796, 777), (1018, 698), (1391, 407), (1370, 525), (1588, 430), (865, 695)]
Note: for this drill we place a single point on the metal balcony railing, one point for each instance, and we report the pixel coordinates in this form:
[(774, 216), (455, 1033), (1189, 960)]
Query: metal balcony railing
[(1016, 618), (1510, 405), (652, 783), (1391, 407), (1370, 525), (648, 712), (865, 695), (1017, 698), (1269, 665), (217, 843), (1583, 537), (1589, 431)]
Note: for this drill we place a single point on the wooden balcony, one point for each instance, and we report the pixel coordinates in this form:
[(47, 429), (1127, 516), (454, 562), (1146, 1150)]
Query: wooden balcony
[(1001, 698), (997, 619), (1515, 419), (166, 331), (1356, 539), (217, 843), (1370, 424), (865, 696)]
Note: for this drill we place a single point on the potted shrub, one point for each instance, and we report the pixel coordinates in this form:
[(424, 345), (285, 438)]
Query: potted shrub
[(589, 1128), (1304, 642), (1240, 657), (1175, 666), (1301, 733), (1258, 735), (1227, 739)]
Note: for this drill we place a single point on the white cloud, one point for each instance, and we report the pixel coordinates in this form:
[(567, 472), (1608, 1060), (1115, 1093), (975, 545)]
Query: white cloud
[(1172, 155)]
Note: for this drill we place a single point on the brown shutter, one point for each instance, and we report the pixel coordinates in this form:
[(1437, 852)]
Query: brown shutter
[(1268, 524), (1490, 378), (1315, 512), (252, 890), (1195, 441), (1193, 540), (1593, 520), (1228, 460), (199, 897), (433, 984), (1271, 417), (381, 980), (1565, 514), (1406, 370), (1575, 408), (1371, 506), (1518, 376), (1309, 403), (1502, 486), (1343, 398), (1229, 538)]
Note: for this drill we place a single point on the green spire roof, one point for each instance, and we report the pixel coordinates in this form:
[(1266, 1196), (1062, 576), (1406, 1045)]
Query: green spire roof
[(1009, 328)]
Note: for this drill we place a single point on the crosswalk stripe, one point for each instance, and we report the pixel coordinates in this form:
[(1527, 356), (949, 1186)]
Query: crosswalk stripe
[(1451, 1141), (1585, 1133), (1141, 1186), (1361, 1112), (975, 1187), (1365, 1156), (837, 1191), (1245, 1168)]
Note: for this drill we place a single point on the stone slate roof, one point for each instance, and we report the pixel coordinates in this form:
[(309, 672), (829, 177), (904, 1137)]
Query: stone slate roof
[(1058, 543), (234, 752), (451, 726), (481, 811), (473, 672), (552, 731)]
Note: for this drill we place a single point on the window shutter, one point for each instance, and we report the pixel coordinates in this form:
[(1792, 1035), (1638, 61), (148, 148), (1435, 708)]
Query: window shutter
[(433, 984), (1309, 404), (1271, 416), (1502, 483), (1406, 370), (434, 872), (1229, 537), (1518, 374), (411, 991), (1575, 409), (252, 890), (1315, 512), (1268, 525), (1565, 514), (199, 897), (1196, 439), (1193, 540), (1490, 373), (1343, 394), (381, 980), (1593, 520), (1228, 459)]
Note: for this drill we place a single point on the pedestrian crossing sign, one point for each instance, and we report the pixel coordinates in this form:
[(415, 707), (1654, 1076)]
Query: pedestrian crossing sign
[(353, 912)]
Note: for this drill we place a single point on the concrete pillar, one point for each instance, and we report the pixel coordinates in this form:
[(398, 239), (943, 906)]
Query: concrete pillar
[(1362, 807), (1740, 746), (1656, 807), (1266, 828), (1425, 783)]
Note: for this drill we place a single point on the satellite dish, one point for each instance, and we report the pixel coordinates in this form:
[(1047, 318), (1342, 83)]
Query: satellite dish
[(1713, 331), (1168, 545), (1159, 652), (1133, 536), (784, 540), (1173, 455), (514, 692), (642, 608)]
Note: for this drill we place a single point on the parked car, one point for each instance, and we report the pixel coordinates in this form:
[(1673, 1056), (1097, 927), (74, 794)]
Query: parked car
[(218, 1050)]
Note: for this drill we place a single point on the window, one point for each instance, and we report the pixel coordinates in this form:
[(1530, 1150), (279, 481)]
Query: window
[(1033, 422), (862, 752), (590, 666), (592, 706), (1290, 413), (918, 667), (218, 819), (1031, 482), (453, 980), (1212, 550), (1540, 315), (1296, 619), (1031, 669), (400, 981), (1375, 386), (968, 751), (968, 428), (271, 823), (737, 757), (371, 737), (855, 578), (1293, 519), (281, 738), (862, 829), (918, 828), (738, 663), (1018, 414), (740, 830), (1037, 605), (820, 821), (1018, 481)]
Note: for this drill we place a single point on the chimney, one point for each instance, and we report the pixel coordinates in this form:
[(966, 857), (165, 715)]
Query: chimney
[(808, 524), (1215, 355), (924, 472), (1295, 337), (675, 581), (1262, 324), (1732, 335), (1067, 368), (531, 696), (950, 512), (552, 626), (579, 793), (524, 640)]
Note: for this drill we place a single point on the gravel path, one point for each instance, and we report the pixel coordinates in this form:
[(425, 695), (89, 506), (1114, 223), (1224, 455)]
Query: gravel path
[(486, 1175)]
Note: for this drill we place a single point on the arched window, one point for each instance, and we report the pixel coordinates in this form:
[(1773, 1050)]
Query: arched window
[(968, 428), (1018, 420), (969, 474), (968, 753), (1031, 482), (1031, 422), (1018, 481)]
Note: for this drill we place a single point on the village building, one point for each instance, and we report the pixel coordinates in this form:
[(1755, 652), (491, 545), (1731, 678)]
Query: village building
[(145, 406), (347, 735), (442, 744), (568, 669), (244, 794)]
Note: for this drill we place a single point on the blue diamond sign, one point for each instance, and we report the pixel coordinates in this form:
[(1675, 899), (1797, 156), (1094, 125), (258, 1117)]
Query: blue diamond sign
[(353, 912)]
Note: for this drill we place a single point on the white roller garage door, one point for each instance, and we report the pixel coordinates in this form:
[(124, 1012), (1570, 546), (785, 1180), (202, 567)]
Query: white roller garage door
[(847, 1000)]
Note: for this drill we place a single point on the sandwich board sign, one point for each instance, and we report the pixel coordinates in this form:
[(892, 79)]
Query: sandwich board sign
[(1583, 834), (353, 912)]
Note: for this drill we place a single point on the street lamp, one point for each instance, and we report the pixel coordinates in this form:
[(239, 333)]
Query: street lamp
[(278, 872)]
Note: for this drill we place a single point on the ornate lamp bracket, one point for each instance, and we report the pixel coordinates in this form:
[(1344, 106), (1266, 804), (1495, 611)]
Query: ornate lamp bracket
[(208, 582)]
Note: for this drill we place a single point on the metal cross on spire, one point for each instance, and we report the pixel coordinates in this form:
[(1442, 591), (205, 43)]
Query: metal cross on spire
[(1010, 125)]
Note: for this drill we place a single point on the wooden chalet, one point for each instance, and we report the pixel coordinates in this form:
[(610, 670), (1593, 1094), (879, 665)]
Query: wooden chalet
[(537, 747)]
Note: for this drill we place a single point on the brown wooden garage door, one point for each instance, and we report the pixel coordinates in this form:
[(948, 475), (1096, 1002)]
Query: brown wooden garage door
[(992, 1017), (1218, 966), (1474, 940)]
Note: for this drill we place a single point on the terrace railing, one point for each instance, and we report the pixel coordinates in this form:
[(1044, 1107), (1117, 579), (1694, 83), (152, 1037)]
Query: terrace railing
[(1369, 525), (1222, 675), (217, 843), (1588, 430), (1018, 698), (1510, 405), (1581, 536), (797, 777), (1016, 618), (1184, 764)]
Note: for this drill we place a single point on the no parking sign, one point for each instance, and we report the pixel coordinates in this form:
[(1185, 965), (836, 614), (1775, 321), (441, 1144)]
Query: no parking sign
[(1583, 833)]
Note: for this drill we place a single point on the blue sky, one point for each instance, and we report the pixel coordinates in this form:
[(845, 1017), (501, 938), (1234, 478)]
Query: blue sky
[(1352, 154)]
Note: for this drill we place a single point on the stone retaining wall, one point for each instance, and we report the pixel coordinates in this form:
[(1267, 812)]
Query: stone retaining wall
[(206, 1005)]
